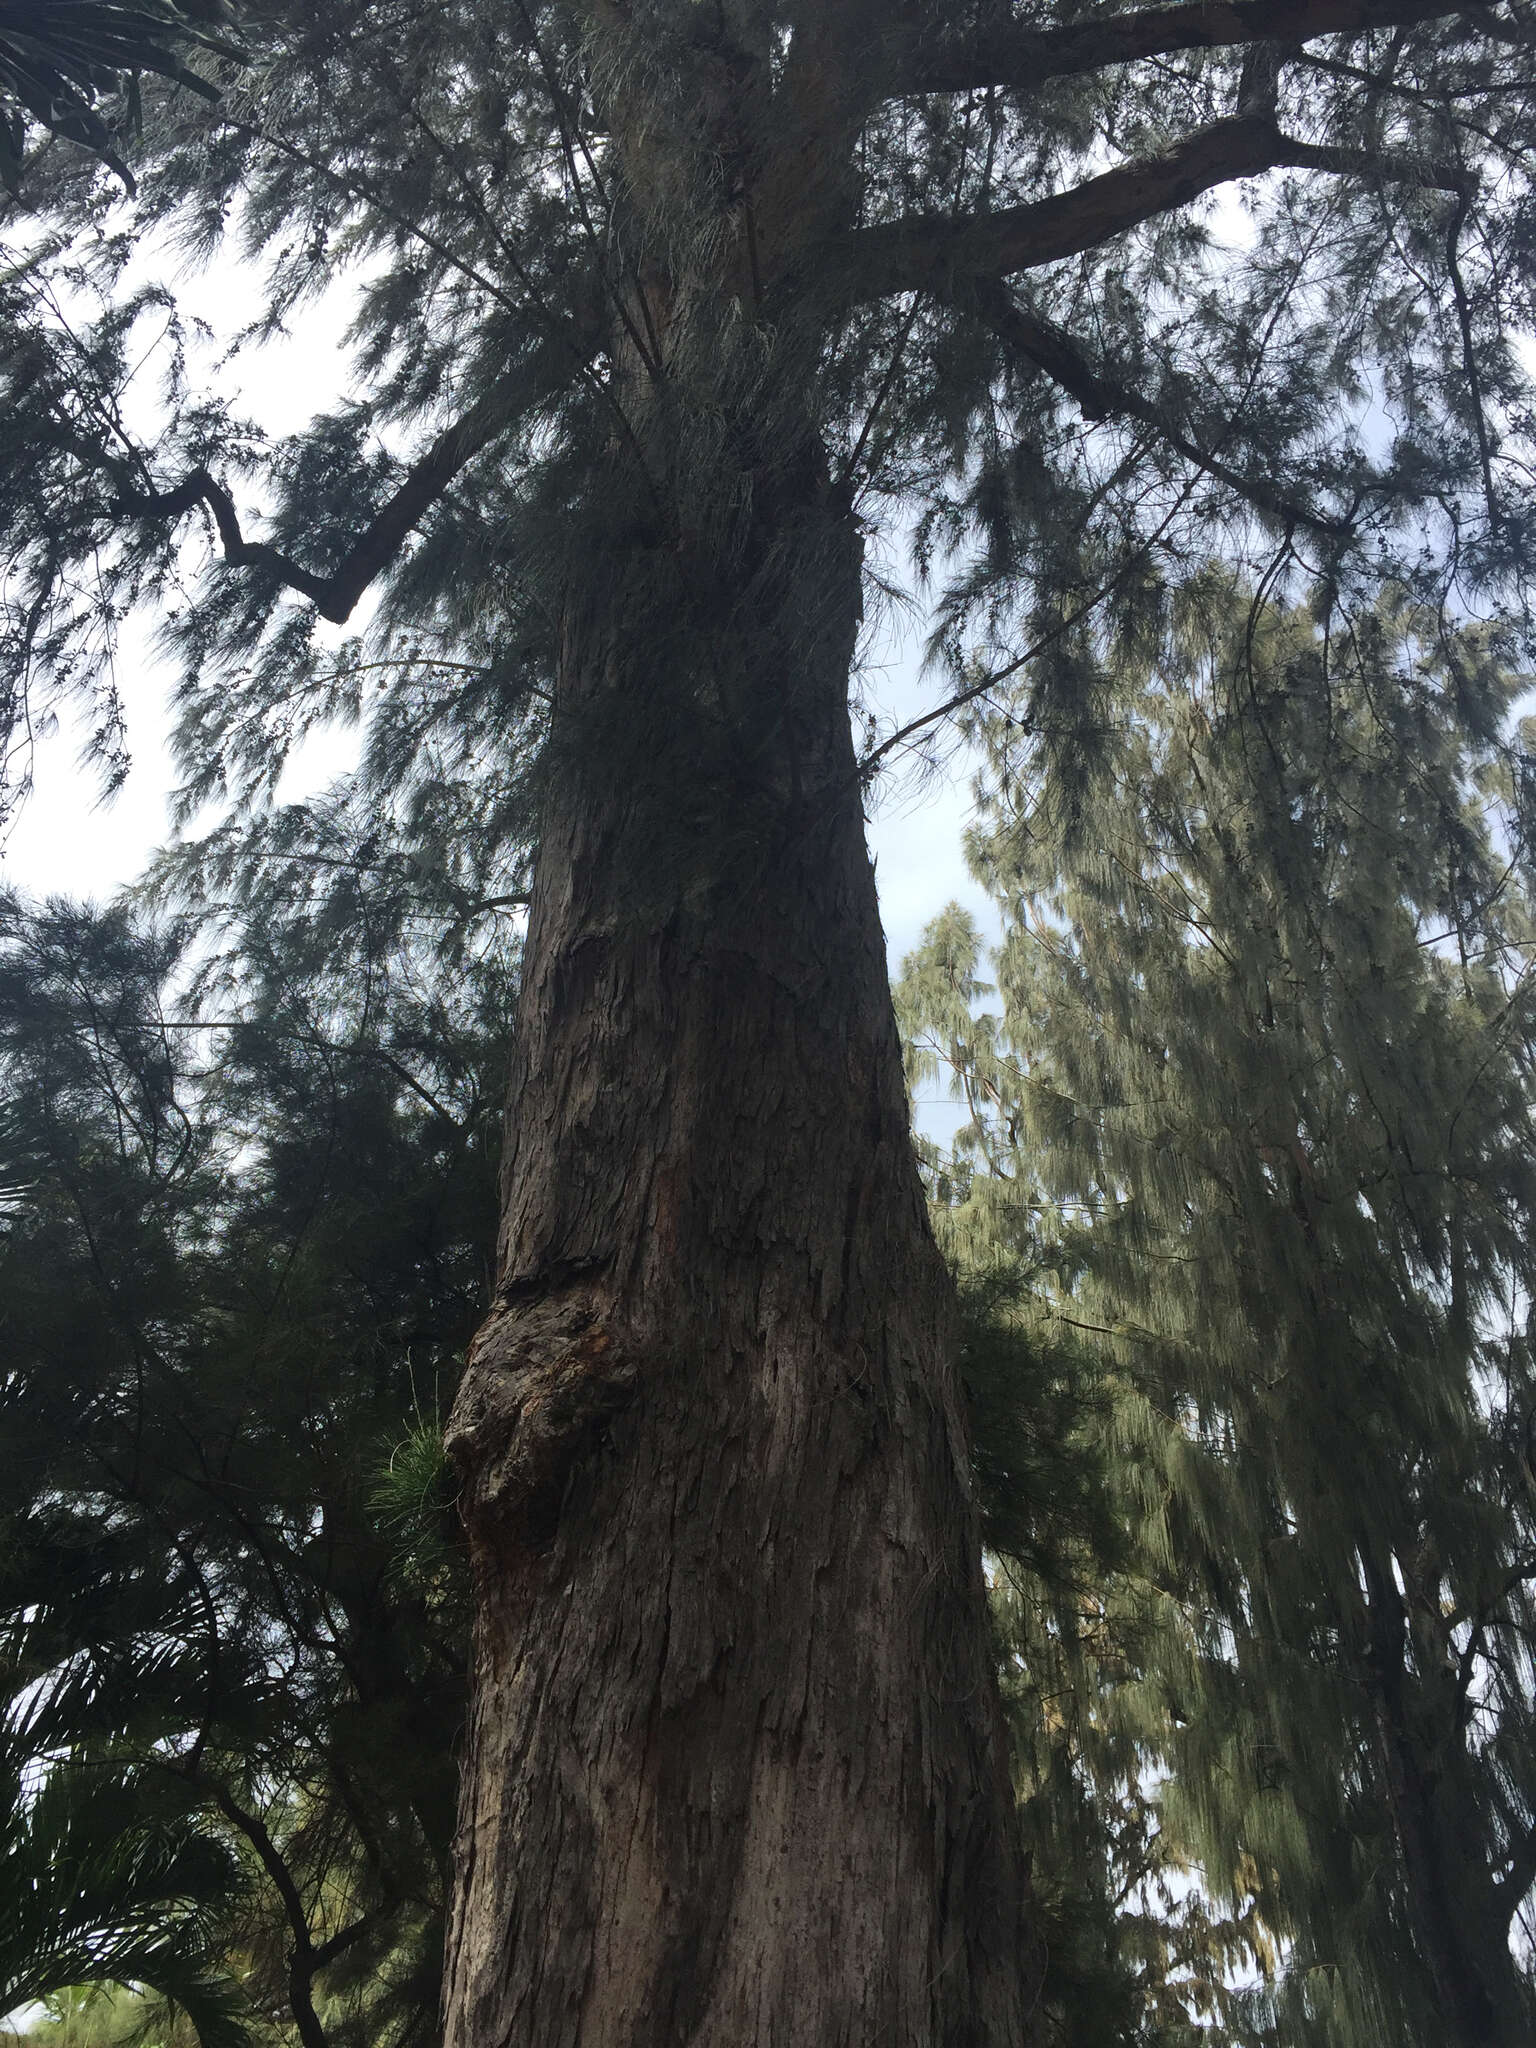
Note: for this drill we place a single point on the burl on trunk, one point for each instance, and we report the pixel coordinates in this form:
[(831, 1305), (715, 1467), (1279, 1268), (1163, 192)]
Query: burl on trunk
[(735, 1772)]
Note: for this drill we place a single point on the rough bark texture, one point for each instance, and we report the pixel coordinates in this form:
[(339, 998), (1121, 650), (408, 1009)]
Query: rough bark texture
[(736, 1770)]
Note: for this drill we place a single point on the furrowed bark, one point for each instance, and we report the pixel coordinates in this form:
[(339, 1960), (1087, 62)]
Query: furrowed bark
[(736, 1771)]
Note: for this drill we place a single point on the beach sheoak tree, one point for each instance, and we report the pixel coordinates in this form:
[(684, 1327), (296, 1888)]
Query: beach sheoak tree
[(665, 312), (1250, 1115)]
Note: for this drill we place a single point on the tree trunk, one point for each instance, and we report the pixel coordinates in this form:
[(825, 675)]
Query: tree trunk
[(1461, 1932), (736, 1769)]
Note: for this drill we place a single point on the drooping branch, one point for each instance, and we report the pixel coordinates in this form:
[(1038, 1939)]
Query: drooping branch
[(1517, 1880), (1023, 58), (1102, 395), (933, 253), (983, 685), (380, 541), (314, 1042)]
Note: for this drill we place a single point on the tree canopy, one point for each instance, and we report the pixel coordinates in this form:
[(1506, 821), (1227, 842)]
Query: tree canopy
[(247, 1229), (673, 325), (1256, 1117), (986, 250)]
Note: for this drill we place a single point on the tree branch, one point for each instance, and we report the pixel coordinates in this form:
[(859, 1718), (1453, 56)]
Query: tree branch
[(304, 1959), (316, 1043), (1469, 356), (381, 540), (932, 252), (1021, 58), (1512, 1887), (1101, 396)]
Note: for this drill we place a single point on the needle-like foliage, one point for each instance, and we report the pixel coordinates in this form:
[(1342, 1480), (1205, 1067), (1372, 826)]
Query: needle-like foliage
[(980, 251), (243, 1244), (1257, 1114), (663, 314)]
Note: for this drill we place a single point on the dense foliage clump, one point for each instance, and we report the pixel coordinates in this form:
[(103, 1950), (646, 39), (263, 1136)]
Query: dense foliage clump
[(248, 1218)]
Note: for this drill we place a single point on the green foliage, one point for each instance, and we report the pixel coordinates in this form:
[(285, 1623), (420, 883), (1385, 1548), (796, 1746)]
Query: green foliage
[(106, 2016), (245, 1245), (628, 282), (414, 1501), (74, 66), (1254, 1123), (107, 1878), (529, 436)]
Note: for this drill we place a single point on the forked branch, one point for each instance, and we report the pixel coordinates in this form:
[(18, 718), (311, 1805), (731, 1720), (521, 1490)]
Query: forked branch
[(335, 594)]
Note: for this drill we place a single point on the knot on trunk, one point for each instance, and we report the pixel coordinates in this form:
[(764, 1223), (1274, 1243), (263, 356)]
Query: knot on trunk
[(543, 1379)]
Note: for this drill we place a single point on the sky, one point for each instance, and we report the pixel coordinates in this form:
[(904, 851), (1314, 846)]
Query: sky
[(68, 840)]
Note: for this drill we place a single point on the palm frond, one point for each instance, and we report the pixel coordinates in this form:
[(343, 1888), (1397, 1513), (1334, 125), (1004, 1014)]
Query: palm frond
[(106, 1878), (74, 66)]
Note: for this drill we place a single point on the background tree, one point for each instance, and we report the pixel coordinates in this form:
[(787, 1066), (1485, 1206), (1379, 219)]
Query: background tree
[(249, 1228), (1134, 1951), (1258, 1107), (661, 313)]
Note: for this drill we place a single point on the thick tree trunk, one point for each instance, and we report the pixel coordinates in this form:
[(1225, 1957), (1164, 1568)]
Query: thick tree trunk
[(735, 1771)]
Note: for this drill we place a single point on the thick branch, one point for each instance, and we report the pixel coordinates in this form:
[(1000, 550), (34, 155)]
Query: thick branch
[(376, 547), (1022, 58), (932, 253)]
